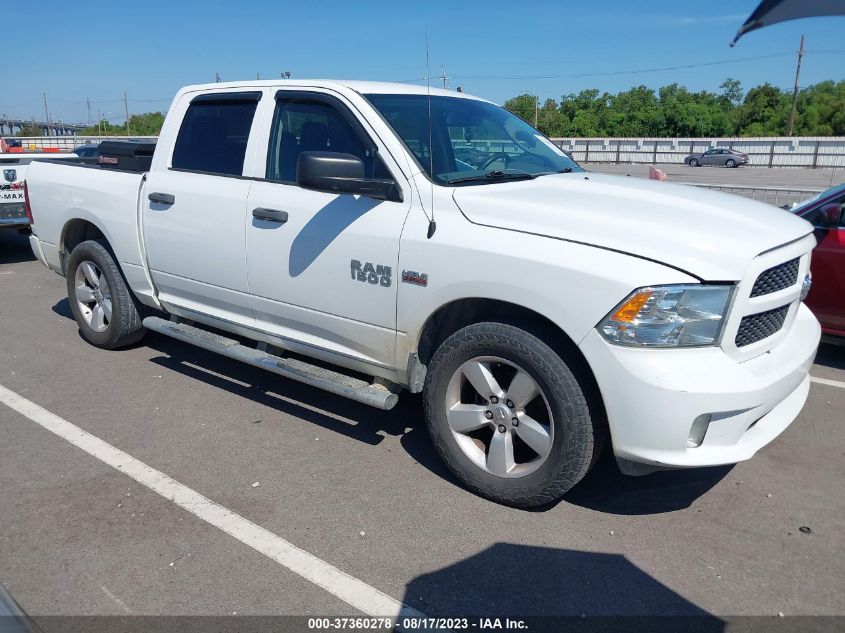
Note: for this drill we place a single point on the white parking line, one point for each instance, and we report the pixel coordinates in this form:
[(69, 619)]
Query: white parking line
[(354, 592), (829, 383)]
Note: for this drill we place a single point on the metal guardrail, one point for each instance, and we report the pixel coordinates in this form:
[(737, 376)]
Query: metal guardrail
[(66, 143), (778, 196)]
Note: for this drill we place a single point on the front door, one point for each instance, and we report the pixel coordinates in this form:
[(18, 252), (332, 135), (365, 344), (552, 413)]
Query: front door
[(322, 267)]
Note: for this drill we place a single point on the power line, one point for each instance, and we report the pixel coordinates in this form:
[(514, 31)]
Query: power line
[(634, 71)]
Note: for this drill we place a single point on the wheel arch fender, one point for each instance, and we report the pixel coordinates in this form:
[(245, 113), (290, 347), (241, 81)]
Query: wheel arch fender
[(79, 229), (459, 313)]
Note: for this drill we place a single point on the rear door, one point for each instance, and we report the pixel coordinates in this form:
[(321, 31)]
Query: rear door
[(194, 211), (326, 277)]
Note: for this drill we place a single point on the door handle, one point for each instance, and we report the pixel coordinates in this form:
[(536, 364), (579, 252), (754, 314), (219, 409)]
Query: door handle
[(162, 198), (270, 215)]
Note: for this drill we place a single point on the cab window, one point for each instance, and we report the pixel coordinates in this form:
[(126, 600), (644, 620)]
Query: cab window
[(303, 124), (214, 133)]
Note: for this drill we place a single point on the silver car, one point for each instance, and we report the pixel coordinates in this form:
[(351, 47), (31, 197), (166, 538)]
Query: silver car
[(721, 156)]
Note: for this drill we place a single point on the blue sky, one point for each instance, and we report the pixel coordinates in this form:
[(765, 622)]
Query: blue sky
[(492, 48)]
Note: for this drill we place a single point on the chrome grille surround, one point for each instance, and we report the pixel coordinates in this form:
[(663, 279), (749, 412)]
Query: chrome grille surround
[(750, 330)]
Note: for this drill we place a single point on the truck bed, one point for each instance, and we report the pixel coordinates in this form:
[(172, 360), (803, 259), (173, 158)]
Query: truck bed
[(67, 196)]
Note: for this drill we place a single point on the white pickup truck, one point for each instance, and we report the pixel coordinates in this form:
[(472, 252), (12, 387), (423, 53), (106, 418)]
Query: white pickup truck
[(12, 208), (368, 238)]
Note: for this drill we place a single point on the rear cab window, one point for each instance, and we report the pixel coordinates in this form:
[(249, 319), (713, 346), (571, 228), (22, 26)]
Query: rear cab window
[(214, 133)]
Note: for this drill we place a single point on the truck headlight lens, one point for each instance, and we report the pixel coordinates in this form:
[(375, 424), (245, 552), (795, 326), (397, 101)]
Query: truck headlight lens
[(669, 316)]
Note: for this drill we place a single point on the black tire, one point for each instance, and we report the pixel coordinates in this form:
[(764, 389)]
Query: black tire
[(577, 436), (125, 327), (693, 162), (730, 163)]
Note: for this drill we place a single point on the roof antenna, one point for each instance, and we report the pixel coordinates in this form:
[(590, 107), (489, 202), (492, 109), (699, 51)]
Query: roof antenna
[(432, 225)]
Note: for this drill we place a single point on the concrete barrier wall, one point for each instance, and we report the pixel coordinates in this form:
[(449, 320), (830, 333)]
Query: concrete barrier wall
[(781, 151)]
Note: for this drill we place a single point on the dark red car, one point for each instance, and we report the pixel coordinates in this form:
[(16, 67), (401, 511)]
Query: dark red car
[(826, 212)]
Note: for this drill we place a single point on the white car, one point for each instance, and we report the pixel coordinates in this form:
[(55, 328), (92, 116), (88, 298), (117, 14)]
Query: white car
[(541, 309)]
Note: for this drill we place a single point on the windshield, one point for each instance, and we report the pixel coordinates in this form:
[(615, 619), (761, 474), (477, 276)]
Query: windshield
[(802, 206), (474, 142)]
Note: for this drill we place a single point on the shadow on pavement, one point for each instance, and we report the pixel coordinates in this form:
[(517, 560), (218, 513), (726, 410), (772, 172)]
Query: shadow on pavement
[(526, 581), (831, 355), (331, 412), (62, 308), (607, 490), (14, 247)]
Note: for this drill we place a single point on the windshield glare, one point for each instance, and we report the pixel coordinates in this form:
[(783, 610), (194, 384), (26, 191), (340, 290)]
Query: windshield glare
[(469, 138)]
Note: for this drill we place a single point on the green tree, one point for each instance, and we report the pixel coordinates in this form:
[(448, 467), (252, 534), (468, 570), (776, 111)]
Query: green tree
[(731, 92), (675, 111), (147, 124), (522, 106), (763, 112)]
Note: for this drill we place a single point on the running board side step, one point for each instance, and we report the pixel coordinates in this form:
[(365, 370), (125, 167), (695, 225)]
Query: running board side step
[(374, 394)]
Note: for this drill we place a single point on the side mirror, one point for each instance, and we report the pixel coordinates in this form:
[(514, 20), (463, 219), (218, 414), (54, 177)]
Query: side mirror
[(336, 172), (829, 215)]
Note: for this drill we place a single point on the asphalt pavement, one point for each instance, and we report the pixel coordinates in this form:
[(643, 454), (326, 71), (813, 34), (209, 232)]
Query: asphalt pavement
[(363, 492), (738, 176)]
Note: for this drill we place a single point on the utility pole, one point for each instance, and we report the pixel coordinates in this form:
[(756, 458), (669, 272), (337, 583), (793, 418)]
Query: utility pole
[(443, 77), (126, 110), (536, 109), (217, 78), (791, 123), (88, 106), (46, 114), (99, 122)]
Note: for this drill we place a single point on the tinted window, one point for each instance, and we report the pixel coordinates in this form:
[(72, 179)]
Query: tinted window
[(213, 137), (817, 215), (306, 125)]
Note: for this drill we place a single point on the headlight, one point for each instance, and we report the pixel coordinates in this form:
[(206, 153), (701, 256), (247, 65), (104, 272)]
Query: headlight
[(669, 316)]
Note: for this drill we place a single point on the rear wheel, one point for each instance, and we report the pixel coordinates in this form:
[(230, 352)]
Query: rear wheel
[(101, 302), (693, 162), (730, 163), (507, 415)]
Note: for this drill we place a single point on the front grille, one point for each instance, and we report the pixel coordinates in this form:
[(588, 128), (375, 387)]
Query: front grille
[(756, 327), (776, 278)]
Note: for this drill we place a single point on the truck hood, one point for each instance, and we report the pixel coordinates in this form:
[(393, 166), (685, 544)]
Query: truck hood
[(711, 235)]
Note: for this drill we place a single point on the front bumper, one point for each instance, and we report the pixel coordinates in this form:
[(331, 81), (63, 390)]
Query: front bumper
[(653, 396)]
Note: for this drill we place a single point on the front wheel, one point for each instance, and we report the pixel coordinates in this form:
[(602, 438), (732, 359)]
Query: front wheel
[(508, 416), (730, 163), (693, 162), (100, 300)]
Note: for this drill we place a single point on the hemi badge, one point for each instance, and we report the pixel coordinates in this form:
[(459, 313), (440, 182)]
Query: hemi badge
[(411, 277)]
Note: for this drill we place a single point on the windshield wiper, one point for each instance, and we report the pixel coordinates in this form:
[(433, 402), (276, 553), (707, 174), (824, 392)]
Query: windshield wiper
[(565, 170), (496, 174)]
